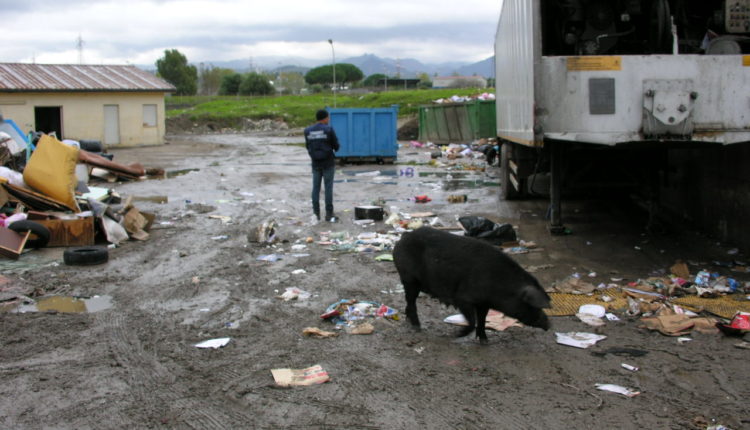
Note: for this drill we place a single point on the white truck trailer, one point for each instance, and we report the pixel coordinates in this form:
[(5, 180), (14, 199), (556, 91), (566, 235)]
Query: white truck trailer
[(614, 73)]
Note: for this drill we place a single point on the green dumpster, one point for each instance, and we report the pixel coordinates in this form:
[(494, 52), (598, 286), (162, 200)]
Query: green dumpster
[(457, 122)]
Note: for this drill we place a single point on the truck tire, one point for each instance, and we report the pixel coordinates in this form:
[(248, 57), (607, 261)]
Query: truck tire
[(39, 237), (508, 191), (85, 256)]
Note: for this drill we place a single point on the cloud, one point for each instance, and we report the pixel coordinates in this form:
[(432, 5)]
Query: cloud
[(218, 30)]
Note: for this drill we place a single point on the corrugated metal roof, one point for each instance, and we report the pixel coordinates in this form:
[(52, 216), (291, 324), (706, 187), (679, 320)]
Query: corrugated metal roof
[(17, 77)]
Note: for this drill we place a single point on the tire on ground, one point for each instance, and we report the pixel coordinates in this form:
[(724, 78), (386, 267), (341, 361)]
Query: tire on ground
[(91, 145), (85, 256), (39, 237)]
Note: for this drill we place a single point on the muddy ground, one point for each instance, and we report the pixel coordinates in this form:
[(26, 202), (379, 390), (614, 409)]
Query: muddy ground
[(135, 365)]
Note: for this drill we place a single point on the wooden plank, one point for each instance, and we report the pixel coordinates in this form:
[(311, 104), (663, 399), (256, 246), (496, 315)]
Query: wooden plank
[(70, 232)]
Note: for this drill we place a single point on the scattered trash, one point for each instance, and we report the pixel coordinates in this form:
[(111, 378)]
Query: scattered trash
[(739, 325), (220, 237), (575, 285), (592, 315), (629, 367), (458, 198), (384, 257), (213, 343), (294, 293), (421, 199), (408, 172), (299, 272), (612, 317), (680, 269), (368, 212), (299, 247), (682, 340), (534, 269), (224, 219), (347, 312), (742, 345), (579, 339), (618, 389), (264, 233), (496, 320), (482, 228), (316, 332), (679, 324), (365, 328), (300, 377), (419, 349), (271, 258)]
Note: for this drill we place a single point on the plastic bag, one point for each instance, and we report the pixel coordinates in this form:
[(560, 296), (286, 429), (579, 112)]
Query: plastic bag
[(482, 228)]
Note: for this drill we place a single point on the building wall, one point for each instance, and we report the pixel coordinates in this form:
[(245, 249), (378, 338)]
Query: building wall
[(83, 114)]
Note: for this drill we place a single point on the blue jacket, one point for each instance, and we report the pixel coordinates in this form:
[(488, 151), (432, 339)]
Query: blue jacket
[(321, 143)]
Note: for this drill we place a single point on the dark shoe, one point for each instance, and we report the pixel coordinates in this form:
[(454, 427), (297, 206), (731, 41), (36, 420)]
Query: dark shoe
[(332, 218), (317, 216)]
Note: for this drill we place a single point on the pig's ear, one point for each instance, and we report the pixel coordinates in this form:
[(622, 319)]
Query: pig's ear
[(535, 296)]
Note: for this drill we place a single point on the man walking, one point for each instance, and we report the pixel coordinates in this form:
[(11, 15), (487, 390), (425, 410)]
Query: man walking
[(321, 143)]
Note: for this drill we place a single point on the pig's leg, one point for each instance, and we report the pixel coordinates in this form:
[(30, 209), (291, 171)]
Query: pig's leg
[(468, 313), (411, 292), (481, 319)]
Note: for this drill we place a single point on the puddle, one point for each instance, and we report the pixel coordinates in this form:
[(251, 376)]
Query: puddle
[(467, 183), (175, 173), (444, 174), (67, 304), (372, 181), (366, 173)]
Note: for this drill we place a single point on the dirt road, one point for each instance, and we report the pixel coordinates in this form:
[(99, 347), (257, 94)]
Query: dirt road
[(135, 364)]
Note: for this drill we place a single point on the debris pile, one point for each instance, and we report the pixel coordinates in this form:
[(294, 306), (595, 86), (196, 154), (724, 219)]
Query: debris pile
[(46, 199), (673, 305)]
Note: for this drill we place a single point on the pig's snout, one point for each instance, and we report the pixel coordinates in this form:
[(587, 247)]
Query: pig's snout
[(539, 320)]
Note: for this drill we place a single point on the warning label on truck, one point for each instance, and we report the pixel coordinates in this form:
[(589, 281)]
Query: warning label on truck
[(581, 64), (746, 60)]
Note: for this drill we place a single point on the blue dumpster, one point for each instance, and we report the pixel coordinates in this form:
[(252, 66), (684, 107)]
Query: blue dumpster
[(366, 134)]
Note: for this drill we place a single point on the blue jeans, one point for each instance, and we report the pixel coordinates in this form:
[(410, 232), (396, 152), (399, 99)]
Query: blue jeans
[(324, 174)]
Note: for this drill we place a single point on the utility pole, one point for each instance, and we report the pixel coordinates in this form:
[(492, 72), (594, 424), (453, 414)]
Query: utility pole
[(333, 53), (79, 46)]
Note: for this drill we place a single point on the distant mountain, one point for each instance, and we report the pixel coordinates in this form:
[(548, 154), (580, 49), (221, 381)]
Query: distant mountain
[(484, 68), (370, 64), (409, 67), (290, 69)]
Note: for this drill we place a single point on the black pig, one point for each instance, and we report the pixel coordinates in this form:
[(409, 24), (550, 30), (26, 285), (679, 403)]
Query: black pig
[(469, 274)]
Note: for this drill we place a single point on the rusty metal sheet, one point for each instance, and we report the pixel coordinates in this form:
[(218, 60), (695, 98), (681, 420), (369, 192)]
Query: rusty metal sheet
[(17, 77)]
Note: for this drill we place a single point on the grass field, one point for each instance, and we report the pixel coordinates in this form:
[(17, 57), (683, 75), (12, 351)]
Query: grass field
[(298, 110)]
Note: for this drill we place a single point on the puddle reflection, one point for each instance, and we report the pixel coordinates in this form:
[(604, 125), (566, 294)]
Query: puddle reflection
[(66, 304)]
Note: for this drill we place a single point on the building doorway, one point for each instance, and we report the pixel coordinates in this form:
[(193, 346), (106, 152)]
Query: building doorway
[(48, 119)]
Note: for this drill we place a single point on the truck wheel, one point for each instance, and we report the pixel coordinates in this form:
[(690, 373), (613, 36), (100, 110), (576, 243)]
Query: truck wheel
[(85, 256), (39, 237), (509, 183)]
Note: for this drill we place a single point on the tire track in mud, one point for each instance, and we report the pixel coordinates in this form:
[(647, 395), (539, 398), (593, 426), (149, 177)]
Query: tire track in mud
[(153, 386)]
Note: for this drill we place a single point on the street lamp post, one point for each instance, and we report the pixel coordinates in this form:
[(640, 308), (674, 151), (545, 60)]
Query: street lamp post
[(333, 54)]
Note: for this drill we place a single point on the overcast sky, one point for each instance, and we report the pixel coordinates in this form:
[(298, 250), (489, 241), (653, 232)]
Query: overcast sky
[(138, 31)]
